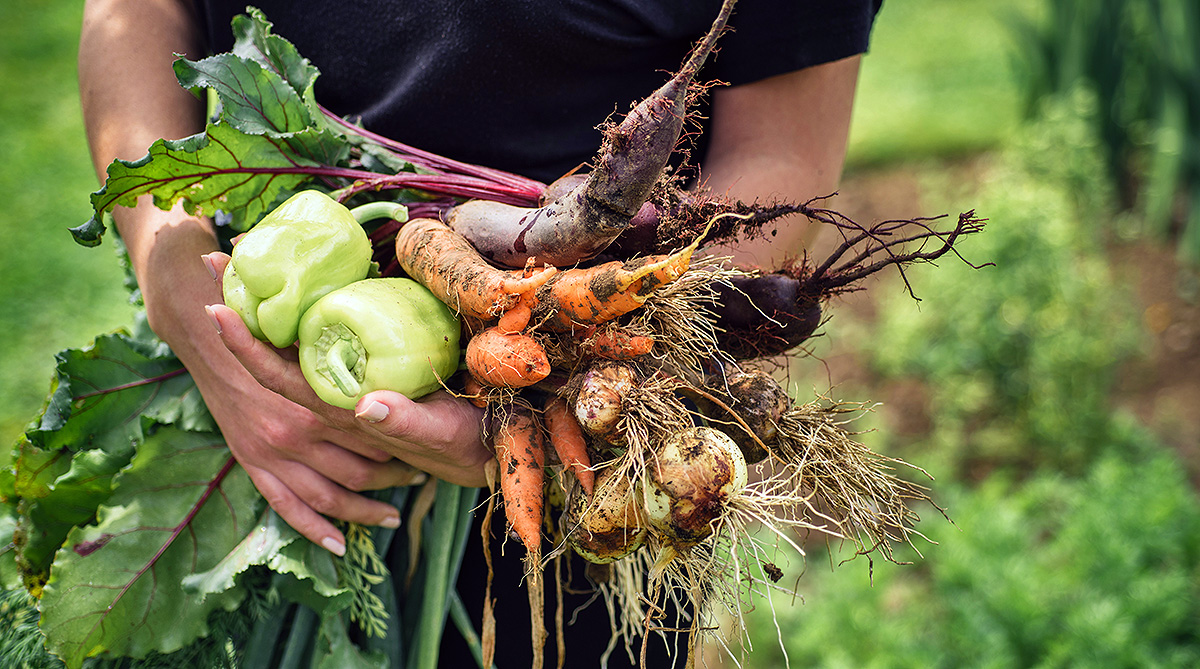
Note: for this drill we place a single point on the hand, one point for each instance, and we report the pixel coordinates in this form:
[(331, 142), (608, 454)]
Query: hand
[(326, 449)]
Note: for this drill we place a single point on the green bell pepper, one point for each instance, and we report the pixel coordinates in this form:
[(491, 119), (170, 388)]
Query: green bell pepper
[(305, 248), (378, 334)]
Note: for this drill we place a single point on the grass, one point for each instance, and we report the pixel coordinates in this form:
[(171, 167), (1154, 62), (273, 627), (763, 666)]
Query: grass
[(54, 293), (938, 81)]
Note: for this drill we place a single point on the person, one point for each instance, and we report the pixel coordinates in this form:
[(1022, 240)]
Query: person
[(520, 86)]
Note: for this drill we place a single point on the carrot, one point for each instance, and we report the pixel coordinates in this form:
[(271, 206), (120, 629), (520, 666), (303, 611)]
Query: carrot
[(616, 344), (566, 436), (516, 318), (595, 295), (586, 218), (446, 263), (522, 456), (511, 360), (474, 391)]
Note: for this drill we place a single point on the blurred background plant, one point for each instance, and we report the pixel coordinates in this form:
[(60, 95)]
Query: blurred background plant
[(1141, 59), (1074, 127)]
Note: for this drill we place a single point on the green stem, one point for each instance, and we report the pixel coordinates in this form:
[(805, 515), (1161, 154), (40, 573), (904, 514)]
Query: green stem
[(261, 649), (298, 649), (337, 358), (437, 546), (462, 620), (375, 210)]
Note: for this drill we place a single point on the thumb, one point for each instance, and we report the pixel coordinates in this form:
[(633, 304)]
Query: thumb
[(397, 416)]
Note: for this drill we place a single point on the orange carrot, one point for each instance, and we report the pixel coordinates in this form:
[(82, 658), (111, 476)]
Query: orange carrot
[(521, 454), (446, 263), (500, 360), (516, 318), (595, 295), (474, 391), (616, 344), (566, 436)]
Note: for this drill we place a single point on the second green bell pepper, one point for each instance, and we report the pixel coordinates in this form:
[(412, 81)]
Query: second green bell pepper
[(378, 334)]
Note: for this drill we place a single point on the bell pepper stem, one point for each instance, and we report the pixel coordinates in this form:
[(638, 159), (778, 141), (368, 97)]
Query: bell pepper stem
[(375, 210), (341, 353)]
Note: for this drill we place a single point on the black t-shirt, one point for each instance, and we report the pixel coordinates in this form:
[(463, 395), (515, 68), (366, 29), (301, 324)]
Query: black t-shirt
[(521, 85)]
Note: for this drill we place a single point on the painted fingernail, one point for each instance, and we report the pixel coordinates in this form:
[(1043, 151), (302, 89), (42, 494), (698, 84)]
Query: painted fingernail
[(212, 317), (374, 412), (391, 522), (334, 546), (208, 262)]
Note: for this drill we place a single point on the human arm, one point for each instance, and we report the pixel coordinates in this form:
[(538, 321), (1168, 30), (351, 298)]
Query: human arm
[(305, 466), (783, 138)]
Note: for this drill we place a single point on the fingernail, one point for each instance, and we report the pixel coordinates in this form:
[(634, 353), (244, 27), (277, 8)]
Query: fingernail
[(212, 317), (374, 412), (419, 479), (391, 522), (212, 269), (334, 546)]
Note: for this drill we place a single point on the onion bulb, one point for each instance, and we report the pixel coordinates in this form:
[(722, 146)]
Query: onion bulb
[(607, 526), (689, 481), (598, 404)]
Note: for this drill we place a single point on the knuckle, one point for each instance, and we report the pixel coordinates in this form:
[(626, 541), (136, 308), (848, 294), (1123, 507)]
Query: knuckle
[(400, 424), (324, 503), (358, 479), (283, 504)]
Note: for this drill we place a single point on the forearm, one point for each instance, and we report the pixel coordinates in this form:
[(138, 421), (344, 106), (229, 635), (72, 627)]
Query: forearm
[(130, 99), (127, 86), (782, 138)]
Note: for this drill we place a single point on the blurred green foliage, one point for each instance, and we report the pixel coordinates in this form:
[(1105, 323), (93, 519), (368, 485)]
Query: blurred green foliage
[(55, 294), (1142, 59), (937, 81), (1019, 356), (1100, 571)]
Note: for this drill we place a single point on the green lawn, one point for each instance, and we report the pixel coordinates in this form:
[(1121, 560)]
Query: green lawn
[(938, 81), (54, 293)]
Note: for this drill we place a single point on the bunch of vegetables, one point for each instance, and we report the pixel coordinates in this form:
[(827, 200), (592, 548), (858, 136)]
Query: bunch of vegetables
[(617, 361)]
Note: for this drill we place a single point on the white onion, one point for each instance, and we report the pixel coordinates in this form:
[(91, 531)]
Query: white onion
[(688, 482)]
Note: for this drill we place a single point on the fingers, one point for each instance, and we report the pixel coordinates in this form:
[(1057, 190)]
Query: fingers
[(216, 262), (262, 360), (306, 500), (439, 434), (281, 374), (358, 473), (301, 517), (304, 516)]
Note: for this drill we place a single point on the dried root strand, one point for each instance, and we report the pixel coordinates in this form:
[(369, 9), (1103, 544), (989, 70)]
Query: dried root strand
[(850, 486)]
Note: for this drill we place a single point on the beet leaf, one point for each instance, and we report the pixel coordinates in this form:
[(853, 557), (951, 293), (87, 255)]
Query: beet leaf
[(311, 575), (177, 509), (104, 398)]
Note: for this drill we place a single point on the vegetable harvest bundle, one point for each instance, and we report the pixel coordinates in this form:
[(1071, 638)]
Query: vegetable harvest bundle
[(616, 361)]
